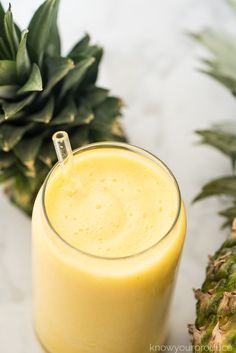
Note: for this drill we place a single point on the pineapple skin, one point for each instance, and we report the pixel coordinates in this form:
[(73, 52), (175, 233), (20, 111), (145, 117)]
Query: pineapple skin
[(215, 325)]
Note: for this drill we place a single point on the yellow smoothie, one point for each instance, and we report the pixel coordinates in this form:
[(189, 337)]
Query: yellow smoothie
[(107, 237)]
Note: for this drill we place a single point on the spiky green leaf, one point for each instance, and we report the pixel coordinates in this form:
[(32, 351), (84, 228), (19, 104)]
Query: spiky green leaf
[(75, 76), (96, 95), (97, 53), (57, 69), (6, 160), (47, 154), (224, 80), (224, 141), (2, 118), (10, 33), (24, 190), (10, 135), (34, 82), (2, 15), (8, 73), (7, 174), (79, 136), (54, 42), (84, 115), (221, 186), (222, 65), (8, 91), (11, 109), (40, 28), (67, 114), (220, 44), (45, 114), (229, 214), (4, 51), (106, 113), (80, 47), (23, 64), (27, 150)]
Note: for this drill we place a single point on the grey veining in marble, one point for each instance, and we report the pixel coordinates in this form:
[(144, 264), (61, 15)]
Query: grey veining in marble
[(151, 63)]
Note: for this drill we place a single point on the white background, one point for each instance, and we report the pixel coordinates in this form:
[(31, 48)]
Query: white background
[(151, 63)]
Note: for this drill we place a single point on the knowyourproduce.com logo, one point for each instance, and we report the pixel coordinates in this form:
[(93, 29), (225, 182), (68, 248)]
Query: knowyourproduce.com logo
[(187, 348)]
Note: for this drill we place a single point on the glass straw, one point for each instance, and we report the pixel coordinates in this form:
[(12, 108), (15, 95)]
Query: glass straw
[(63, 149)]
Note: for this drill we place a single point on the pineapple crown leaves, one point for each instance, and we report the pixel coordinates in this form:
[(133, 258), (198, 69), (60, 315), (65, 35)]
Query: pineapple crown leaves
[(42, 91), (223, 138), (222, 67), (222, 46)]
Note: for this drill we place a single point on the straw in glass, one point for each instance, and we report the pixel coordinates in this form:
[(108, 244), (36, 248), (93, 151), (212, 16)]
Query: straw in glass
[(63, 149)]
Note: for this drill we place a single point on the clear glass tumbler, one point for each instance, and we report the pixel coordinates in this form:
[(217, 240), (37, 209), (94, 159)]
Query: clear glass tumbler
[(83, 303)]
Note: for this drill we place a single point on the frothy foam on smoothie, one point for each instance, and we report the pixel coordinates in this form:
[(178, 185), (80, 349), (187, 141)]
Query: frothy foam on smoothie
[(113, 203)]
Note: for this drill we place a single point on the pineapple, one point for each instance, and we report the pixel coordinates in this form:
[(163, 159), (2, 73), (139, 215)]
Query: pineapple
[(215, 325), (42, 91)]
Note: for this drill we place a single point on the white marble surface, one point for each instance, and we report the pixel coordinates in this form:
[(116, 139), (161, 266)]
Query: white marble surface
[(151, 64)]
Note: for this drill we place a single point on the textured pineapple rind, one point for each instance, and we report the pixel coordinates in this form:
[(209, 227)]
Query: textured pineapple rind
[(215, 325)]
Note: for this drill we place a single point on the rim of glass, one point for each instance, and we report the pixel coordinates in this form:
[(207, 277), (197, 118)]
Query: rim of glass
[(131, 148)]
